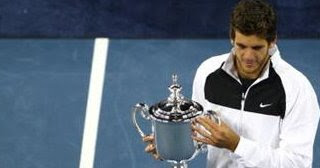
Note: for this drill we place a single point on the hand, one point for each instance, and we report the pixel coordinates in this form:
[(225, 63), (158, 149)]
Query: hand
[(221, 136), (151, 147)]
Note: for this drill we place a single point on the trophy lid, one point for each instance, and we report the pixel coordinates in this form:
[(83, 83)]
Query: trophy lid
[(176, 108)]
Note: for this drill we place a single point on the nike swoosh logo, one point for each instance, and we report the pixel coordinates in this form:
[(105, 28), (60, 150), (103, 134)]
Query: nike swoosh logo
[(264, 105)]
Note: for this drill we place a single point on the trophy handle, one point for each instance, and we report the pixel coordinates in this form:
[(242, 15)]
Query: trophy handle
[(215, 116), (143, 109)]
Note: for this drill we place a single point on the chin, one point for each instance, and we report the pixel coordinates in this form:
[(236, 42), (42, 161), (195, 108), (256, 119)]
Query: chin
[(249, 70)]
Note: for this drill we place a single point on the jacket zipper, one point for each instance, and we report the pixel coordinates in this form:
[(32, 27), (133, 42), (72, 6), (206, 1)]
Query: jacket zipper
[(243, 99), (243, 102)]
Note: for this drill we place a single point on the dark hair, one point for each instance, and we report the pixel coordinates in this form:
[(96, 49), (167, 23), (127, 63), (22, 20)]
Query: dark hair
[(254, 17)]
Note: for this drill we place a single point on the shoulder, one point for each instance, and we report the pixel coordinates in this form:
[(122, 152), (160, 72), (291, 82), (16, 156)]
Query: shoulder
[(292, 78), (204, 70), (296, 85), (211, 64)]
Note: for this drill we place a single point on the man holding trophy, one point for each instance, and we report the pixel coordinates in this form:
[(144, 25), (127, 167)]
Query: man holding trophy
[(269, 111)]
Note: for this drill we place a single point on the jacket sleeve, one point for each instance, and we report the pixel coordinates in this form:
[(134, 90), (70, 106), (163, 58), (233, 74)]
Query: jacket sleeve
[(297, 134)]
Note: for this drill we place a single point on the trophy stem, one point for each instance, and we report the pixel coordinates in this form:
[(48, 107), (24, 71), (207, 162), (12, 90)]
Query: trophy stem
[(180, 165)]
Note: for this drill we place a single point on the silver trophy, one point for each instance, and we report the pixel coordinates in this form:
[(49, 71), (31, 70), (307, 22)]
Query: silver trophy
[(171, 126)]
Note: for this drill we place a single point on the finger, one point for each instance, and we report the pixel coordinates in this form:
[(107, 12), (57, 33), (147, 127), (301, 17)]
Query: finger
[(202, 122), (150, 148), (203, 140), (156, 156), (211, 122), (208, 123), (148, 138), (193, 132), (203, 133)]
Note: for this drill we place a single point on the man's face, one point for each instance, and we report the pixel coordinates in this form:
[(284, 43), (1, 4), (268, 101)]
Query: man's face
[(251, 54)]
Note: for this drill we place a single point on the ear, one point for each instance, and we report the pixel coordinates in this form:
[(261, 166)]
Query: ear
[(273, 43), (272, 47), (231, 41)]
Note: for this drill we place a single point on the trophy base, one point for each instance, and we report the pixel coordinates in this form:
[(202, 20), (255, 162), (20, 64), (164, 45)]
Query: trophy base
[(183, 163)]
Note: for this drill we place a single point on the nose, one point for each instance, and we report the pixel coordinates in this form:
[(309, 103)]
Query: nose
[(249, 53)]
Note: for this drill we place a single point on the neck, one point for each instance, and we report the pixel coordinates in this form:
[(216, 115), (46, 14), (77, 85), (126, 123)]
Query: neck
[(247, 76)]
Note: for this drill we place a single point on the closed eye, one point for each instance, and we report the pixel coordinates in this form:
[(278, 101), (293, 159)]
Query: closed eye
[(257, 47), (241, 46)]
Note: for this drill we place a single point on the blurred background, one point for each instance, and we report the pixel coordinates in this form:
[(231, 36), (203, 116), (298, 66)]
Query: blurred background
[(46, 52), (144, 19)]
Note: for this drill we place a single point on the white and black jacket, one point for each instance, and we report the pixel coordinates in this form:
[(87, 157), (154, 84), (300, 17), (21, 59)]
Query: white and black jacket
[(276, 117)]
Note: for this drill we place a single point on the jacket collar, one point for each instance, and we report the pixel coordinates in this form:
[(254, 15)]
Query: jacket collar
[(230, 69)]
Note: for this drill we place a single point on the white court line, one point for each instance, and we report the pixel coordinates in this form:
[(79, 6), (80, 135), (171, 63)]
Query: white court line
[(91, 123)]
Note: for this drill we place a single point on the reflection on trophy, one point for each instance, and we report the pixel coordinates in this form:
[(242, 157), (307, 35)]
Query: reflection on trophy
[(171, 126)]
